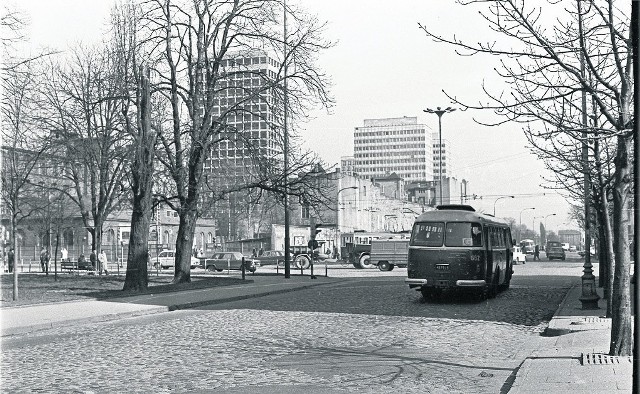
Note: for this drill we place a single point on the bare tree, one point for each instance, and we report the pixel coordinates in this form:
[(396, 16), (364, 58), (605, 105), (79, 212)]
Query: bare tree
[(197, 38), (84, 102), (549, 63)]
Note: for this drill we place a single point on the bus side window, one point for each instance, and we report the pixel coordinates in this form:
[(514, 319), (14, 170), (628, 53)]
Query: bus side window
[(476, 234)]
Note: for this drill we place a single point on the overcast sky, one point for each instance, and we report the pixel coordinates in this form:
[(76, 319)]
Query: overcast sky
[(384, 66)]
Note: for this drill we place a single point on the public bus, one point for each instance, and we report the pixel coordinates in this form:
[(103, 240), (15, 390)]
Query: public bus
[(528, 246), (454, 247)]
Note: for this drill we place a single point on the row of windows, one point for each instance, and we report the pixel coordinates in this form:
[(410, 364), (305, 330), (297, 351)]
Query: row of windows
[(246, 61), (386, 168), (407, 149), (415, 155), (359, 133), (387, 140)]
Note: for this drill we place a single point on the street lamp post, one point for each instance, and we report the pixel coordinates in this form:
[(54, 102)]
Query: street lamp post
[(339, 210), (520, 228), (499, 198), (545, 226), (534, 226), (438, 111)]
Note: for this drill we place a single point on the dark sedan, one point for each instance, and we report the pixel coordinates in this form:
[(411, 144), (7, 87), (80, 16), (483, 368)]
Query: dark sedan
[(228, 260), (556, 252)]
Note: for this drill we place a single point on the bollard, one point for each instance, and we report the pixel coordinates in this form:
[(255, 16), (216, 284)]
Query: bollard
[(243, 268), (312, 275), (326, 270)]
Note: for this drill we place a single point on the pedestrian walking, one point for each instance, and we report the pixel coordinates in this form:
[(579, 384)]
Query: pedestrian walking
[(10, 259), (102, 260), (536, 253), (43, 257), (65, 254), (93, 258)]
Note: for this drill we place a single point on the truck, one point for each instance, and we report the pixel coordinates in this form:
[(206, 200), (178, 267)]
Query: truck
[(389, 253)]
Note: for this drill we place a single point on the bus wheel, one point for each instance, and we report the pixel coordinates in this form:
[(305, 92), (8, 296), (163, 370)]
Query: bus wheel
[(303, 262), (384, 266), (365, 261)]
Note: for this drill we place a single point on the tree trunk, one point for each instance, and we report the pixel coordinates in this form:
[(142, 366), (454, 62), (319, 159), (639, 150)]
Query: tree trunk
[(621, 339), (184, 245), (138, 257), (142, 188), (14, 246)]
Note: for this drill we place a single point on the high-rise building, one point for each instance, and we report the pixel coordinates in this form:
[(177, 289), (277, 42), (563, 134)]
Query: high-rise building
[(447, 158), (248, 101), (393, 145)]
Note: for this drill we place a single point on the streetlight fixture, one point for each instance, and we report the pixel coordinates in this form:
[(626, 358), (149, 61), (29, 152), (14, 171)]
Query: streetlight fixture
[(338, 203), (438, 111), (520, 228), (545, 220), (499, 198)]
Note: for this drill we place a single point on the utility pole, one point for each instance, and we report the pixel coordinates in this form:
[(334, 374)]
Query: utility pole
[(589, 296)]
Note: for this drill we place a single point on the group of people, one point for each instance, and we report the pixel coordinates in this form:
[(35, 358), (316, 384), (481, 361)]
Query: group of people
[(98, 261)]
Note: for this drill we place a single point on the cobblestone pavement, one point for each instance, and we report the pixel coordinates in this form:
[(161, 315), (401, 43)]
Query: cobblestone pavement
[(366, 334)]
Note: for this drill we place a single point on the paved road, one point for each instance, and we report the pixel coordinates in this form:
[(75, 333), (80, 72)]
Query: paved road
[(369, 333)]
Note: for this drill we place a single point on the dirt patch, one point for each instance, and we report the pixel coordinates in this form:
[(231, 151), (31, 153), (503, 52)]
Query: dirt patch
[(39, 288)]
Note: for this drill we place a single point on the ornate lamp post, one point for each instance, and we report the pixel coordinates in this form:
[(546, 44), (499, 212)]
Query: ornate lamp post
[(438, 111)]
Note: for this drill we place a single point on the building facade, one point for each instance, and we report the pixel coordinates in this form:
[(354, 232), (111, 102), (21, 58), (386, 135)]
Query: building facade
[(445, 155), (393, 145)]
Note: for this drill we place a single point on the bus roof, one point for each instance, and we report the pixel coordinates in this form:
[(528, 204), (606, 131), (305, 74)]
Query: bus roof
[(458, 213)]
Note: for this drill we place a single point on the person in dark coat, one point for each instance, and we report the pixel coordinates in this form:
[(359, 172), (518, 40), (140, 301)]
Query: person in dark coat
[(10, 259), (536, 253)]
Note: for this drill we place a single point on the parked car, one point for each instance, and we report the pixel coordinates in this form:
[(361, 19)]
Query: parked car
[(271, 257), (518, 256), (556, 252), (228, 260), (166, 259), (572, 248)]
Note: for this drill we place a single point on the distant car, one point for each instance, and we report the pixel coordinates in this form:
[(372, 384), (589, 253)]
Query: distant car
[(166, 259), (556, 252), (572, 248), (518, 256), (271, 257), (228, 260), (565, 246)]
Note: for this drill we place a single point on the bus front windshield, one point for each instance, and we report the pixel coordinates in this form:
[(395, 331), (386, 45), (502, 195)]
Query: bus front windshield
[(452, 234)]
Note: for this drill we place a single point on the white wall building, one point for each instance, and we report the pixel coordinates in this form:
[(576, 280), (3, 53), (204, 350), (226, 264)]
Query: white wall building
[(400, 145), (448, 158)]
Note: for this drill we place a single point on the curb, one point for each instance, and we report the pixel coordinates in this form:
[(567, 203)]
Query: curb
[(148, 311), (552, 330)]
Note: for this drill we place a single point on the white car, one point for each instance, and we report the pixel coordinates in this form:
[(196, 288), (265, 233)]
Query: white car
[(166, 259), (518, 256)]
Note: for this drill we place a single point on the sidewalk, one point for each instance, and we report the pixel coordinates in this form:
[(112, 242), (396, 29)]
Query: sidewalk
[(575, 360), (30, 318)]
